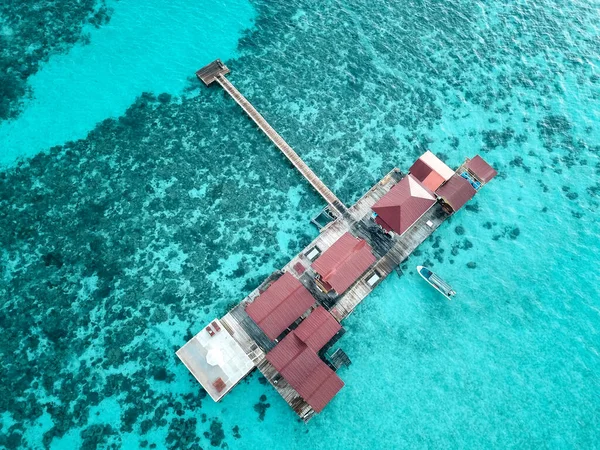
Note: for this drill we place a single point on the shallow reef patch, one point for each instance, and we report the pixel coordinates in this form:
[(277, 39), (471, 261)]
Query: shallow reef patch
[(32, 31)]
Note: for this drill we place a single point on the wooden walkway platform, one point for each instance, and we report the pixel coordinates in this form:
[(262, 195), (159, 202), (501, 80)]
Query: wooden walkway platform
[(389, 251), (212, 73), (209, 72), (339, 359), (238, 331)]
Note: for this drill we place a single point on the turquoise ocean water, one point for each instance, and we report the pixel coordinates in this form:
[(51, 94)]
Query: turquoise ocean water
[(135, 205), (149, 47)]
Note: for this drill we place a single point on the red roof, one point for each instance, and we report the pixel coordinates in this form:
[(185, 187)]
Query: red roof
[(342, 263), (456, 192), (287, 349), (219, 384), (280, 305), (426, 175), (403, 205), (481, 169), (299, 364), (299, 268), (317, 329)]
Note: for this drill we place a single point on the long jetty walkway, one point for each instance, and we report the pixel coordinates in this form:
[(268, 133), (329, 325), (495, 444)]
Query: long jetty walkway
[(216, 71), (226, 350)]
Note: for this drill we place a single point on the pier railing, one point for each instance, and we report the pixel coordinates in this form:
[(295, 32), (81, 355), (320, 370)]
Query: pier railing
[(216, 71)]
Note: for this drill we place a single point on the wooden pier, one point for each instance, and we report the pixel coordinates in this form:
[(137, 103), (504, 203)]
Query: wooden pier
[(358, 220), (216, 72), (211, 71), (389, 250), (339, 359)]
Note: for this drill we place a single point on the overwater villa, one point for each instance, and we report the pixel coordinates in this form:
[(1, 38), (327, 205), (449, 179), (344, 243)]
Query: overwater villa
[(286, 327)]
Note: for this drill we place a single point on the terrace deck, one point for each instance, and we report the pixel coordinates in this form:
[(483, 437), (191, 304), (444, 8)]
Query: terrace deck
[(215, 359), (210, 72)]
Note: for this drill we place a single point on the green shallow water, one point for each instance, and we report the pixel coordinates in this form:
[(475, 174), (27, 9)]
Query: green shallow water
[(116, 248)]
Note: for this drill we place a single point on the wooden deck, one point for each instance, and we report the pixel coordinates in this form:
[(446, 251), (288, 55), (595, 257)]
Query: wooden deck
[(288, 151), (237, 330), (339, 359), (389, 253), (209, 72)]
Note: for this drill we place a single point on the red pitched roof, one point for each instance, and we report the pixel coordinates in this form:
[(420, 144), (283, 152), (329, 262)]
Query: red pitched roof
[(299, 268), (426, 175), (280, 305), (286, 350), (481, 169), (317, 329), (299, 364), (456, 192), (342, 263), (403, 205)]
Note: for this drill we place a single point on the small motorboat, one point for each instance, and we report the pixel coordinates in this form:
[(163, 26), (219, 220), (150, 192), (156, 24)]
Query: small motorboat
[(440, 285)]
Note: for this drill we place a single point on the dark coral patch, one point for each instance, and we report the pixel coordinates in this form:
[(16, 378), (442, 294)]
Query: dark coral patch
[(182, 434), (472, 206), (216, 435), (96, 436), (261, 407), (31, 32), (497, 138)]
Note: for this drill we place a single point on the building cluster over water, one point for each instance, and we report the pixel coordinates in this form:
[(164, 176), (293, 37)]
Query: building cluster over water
[(288, 325)]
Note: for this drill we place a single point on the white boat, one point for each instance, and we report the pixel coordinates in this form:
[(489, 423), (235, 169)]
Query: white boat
[(440, 285)]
